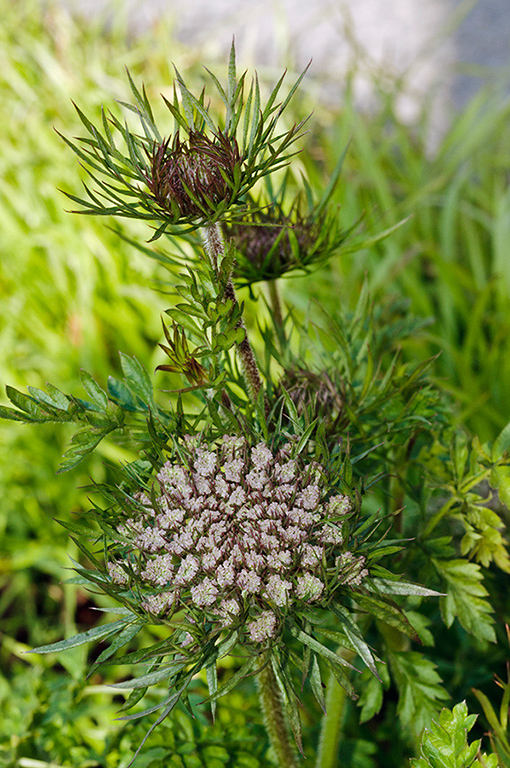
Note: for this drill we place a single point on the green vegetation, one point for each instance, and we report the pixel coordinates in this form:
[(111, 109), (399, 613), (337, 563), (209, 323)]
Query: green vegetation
[(75, 290), (451, 257)]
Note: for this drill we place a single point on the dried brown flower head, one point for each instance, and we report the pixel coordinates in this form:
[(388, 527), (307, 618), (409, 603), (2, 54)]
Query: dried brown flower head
[(205, 169), (271, 241)]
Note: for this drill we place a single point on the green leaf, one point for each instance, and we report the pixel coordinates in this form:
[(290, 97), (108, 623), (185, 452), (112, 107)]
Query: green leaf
[(385, 611), (182, 318), (420, 624), (98, 395), (29, 405), (372, 692), (80, 530), (212, 683), (304, 439), (342, 679), (120, 392), (232, 78), (124, 637), (355, 637), (150, 678), (333, 660), (137, 378), (170, 704), (466, 598), (84, 637), (13, 415), (502, 442), (291, 408), (57, 398), (445, 745), (136, 696), (185, 100), (155, 652), (498, 731), (483, 540), (316, 683), (192, 101), (419, 686), (390, 587), (500, 479), (232, 681), (44, 397), (226, 645), (82, 443)]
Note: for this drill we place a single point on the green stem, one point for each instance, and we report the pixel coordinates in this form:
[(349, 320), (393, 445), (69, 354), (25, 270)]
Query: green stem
[(439, 516), (274, 718), (332, 722), (276, 306), (215, 248), (275, 303)]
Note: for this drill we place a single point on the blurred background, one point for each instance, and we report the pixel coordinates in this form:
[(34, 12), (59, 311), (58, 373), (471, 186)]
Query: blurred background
[(450, 46), (419, 91)]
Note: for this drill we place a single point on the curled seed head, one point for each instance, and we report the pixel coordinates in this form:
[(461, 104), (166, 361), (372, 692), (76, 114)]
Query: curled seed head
[(273, 244), (191, 178)]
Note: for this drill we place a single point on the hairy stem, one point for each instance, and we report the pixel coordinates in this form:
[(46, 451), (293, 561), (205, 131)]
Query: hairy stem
[(245, 351), (215, 248), (331, 726), (213, 244), (274, 718)]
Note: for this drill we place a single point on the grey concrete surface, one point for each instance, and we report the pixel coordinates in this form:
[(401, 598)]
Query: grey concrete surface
[(482, 45)]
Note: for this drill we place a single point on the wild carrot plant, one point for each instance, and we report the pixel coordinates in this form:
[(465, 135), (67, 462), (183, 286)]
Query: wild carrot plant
[(301, 503)]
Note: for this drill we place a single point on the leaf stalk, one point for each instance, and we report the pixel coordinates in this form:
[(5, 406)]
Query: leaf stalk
[(332, 721)]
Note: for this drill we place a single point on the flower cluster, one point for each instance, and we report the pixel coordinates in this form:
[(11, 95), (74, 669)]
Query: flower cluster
[(240, 534)]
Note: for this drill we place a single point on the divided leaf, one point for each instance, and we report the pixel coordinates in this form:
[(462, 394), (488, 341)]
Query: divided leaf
[(444, 744), (466, 598), (419, 686)]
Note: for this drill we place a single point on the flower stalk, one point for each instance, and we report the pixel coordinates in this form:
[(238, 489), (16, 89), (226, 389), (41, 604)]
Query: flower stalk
[(332, 722), (275, 720), (276, 305)]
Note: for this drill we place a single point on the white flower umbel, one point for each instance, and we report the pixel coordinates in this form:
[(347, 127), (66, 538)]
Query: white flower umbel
[(243, 535), (262, 628)]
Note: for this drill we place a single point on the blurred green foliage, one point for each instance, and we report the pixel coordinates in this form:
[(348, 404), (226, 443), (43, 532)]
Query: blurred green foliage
[(451, 258)]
